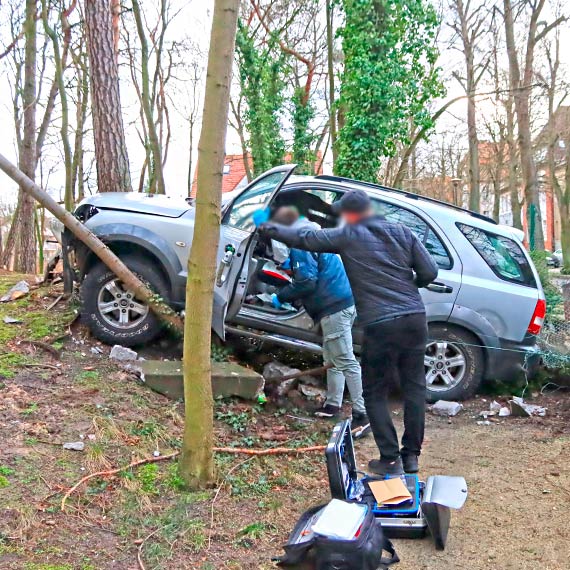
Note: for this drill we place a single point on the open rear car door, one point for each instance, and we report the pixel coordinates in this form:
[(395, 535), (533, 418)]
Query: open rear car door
[(236, 232)]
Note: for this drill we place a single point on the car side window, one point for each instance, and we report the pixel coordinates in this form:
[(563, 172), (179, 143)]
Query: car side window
[(256, 197), (503, 255), (422, 230)]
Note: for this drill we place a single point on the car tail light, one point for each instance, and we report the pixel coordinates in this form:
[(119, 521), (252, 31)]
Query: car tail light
[(537, 319)]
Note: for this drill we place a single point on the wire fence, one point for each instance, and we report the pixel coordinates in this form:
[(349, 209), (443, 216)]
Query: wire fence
[(554, 338)]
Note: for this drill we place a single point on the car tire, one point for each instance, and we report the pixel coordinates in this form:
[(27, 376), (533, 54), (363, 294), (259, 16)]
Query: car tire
[(454, 364), (101, 289)]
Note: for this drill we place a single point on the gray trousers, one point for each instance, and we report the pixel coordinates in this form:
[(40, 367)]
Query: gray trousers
[(337, 350)]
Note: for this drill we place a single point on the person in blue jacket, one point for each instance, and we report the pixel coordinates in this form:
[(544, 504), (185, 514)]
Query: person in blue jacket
[(321, 284)]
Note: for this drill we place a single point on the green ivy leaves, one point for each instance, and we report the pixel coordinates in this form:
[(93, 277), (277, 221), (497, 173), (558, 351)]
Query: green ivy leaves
[(388, 80)]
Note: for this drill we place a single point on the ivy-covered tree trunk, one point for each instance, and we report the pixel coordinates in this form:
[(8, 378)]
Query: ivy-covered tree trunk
[(389, 77), (261, 84), (303, 113), (196, 462)]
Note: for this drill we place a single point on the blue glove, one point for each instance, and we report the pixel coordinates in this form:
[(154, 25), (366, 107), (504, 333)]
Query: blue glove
[(286, 264), (260, 216), (275, 301)]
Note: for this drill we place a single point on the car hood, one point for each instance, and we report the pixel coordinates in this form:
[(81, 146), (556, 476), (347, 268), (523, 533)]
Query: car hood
[(155, 204)]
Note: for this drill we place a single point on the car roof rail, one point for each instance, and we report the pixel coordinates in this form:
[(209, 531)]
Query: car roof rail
[(411, 195)]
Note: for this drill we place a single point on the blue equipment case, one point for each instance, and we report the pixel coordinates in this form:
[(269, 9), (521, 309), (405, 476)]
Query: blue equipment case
[(431, 501)]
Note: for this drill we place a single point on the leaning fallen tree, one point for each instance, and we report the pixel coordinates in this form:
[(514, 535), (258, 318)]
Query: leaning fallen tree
[(130, 280)]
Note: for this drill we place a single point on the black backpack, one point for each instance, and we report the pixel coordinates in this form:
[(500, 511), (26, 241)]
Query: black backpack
[(321, 553)]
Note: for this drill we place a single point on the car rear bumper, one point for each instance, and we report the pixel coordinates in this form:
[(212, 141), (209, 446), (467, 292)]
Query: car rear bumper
[(511, 361)]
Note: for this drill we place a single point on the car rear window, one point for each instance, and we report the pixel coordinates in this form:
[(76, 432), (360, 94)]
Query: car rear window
[(503, 255)]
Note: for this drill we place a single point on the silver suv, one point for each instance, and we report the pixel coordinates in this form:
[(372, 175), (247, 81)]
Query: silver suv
[(484, 310)]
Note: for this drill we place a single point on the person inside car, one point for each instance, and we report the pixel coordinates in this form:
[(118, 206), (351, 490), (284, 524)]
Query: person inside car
[(321, 285), (386, 264)]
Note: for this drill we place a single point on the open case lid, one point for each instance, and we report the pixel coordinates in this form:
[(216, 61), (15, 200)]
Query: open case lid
[(341, 461), (442, 493)]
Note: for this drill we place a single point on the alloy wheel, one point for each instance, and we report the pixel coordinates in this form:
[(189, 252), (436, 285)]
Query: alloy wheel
[(445, 365), (118, 306)]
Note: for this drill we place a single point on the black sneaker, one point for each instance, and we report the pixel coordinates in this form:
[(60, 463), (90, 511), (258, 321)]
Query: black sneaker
[(383, 467), (327, 411), (411, 464), (360, 425)]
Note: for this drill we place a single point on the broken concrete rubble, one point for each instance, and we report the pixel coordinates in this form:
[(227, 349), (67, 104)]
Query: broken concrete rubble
[(228, 379), (74, 446), (520, 408), (275, 370), (19, 290), (122, 353), (445, 408), (312, 392)]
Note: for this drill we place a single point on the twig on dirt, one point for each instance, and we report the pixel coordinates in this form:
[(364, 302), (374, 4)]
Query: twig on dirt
[(299, 373), (270, 450), (49, 442), (139, 550), (218, 490), (41, 366), (52, 305), (96, 526), (44, 346), (46, 483), (110, 472), (298, 418)]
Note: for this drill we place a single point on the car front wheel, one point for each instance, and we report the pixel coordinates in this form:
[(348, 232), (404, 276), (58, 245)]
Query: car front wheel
[(453, 364), (112, 311)]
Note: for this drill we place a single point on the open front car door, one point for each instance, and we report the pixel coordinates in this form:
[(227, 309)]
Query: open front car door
[(236, 232)]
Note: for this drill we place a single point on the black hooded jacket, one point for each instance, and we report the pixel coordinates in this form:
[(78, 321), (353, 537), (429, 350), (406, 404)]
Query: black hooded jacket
[(380, 259)]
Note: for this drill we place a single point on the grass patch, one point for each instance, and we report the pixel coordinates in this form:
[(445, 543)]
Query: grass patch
[(238, 421), (147, 476), (88, 378), (9, 362), (37, 324)]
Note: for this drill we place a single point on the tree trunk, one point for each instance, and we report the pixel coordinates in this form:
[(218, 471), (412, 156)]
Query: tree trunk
[(25, 235), (59, 63), (131, 281), (513, 164), (190, 155), (7, 254), (82, 100), (474, 176), (521, 86), (565, 235), (196, 463), (156, 175), (113, 173), (330, 62)]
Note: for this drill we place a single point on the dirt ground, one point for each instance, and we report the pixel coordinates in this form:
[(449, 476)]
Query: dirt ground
[(517, 470)]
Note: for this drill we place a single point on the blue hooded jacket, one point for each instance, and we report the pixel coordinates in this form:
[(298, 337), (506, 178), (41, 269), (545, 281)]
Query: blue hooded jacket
[(319, 281)]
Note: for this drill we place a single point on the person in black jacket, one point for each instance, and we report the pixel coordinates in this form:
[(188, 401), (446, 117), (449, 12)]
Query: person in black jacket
[(321, 284), (386, 264)]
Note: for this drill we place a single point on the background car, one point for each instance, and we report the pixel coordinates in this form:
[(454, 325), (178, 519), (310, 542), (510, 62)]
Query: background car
[(484, 310), (554, 259)]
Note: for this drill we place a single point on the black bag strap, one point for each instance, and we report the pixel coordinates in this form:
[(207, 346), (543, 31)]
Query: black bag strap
[(385, 561)]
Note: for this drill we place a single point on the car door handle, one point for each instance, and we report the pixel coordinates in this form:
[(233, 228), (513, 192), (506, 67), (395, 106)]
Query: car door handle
[(225, 263), (438, 287)]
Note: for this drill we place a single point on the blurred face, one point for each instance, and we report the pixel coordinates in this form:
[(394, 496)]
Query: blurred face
[(355, 217)]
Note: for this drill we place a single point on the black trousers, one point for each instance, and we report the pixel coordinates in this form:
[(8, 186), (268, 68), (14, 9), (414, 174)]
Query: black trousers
[(395, 350)]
